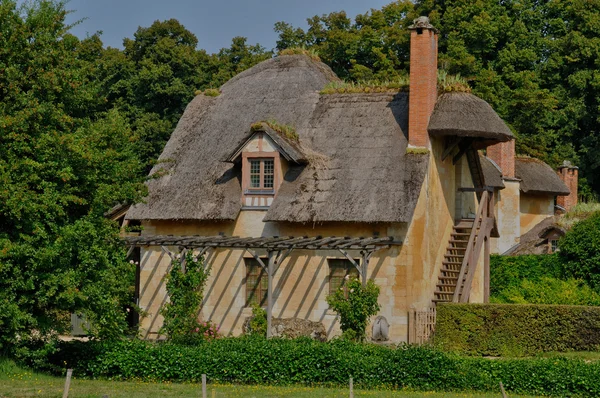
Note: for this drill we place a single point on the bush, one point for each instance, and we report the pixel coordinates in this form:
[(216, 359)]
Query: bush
[(509, 271), (303, 361), (355, 305), (516, 330), (580, 251), (257, 325), (548, 291), (185, 287)]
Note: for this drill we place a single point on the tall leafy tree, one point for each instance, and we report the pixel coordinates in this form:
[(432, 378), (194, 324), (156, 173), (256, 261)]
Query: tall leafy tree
[(64, 161), (373, 46)]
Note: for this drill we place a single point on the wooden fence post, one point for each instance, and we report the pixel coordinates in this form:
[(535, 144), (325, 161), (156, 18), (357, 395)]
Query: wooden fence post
[(502, 389), (67, 383), (203, 386), (351, 388)]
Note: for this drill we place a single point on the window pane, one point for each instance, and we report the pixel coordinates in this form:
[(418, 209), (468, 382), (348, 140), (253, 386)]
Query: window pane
[(256, 282), (269, 168), (338, 270), (255, 167), (254, 173)]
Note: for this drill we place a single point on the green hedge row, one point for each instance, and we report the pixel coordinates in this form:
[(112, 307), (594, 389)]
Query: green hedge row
[(285, 362), (516, 329)]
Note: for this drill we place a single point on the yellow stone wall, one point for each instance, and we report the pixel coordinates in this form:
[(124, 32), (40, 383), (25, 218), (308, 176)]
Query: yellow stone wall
[(508, 216), (407, 275), (534, 209)]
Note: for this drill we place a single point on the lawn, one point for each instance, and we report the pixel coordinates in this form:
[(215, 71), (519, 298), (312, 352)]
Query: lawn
[(18, 382)]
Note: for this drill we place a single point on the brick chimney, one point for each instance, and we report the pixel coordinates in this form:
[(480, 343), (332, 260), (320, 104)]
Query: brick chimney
[(503, 154), (423, 80), (569, 174)]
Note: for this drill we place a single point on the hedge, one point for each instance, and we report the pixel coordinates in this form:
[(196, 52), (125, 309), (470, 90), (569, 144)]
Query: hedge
[(516, 329), (287, 362)]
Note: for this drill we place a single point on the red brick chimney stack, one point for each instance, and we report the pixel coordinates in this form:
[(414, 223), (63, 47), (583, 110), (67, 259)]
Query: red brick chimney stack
[(503, 154), (569, 174), (423, 80)]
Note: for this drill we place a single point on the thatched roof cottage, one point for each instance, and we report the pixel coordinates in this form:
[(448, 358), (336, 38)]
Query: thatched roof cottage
[(385, 186)]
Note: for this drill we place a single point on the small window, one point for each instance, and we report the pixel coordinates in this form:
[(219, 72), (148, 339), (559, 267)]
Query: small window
[(553, 245), (262, 173), (338, 270), (256, 283)]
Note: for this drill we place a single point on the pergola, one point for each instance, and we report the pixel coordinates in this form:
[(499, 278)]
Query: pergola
[(278, 248)]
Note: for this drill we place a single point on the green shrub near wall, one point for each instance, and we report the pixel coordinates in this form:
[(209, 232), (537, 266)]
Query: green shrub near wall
[(286, 362), (516, 329), (510, 271)]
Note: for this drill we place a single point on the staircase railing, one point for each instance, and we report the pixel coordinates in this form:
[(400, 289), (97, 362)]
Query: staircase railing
[(482, 227)]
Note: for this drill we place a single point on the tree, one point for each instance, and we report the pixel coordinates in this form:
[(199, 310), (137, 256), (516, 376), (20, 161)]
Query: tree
[(374, 46), (64, 161), (580, 251)]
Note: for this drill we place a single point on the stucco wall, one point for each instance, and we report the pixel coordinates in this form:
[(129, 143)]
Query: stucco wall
[(534, 209), (300, 285), (407, 274), (507, 217)]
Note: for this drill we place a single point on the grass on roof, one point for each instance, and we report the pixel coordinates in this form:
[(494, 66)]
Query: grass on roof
[(285, 130), (446, 83), (416, 151), (579, 212), (301, 51), (372, 86), (209, 92), (452, 83)]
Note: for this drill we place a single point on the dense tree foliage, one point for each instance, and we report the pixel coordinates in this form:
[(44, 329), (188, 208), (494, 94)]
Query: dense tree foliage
[(64, 161), (373, 46), (79, 126), (580, 251)]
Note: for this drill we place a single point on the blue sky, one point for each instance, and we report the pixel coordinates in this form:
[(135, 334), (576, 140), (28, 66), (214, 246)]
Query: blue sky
[(214, 22)]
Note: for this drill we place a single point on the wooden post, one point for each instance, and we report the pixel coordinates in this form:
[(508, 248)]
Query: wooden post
[(270, 268), (351, 388), (486, 270), (364, 267), (503, 392), (67, 383), (203, 386)]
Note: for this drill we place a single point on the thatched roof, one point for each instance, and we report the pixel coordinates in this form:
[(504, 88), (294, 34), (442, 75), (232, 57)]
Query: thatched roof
[(535, 240), (355, 145), (465, 115), (198, 185), (491, 172), (288, 147), (367, 175), (538, 178)]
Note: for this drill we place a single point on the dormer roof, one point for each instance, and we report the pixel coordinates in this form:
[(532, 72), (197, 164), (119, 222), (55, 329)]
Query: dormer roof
[(287, 144)]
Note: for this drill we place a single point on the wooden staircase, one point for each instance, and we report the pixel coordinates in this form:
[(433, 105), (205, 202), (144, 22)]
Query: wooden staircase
[(453, 259), (468, 238)]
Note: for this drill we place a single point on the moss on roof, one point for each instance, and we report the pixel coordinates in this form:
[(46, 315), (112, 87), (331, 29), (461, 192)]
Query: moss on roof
[(312, 54)]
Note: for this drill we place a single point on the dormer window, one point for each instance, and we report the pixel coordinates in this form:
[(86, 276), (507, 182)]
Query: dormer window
[(265, 154), (262, 174)]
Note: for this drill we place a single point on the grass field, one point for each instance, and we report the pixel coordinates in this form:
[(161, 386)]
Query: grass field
[(18, 382)]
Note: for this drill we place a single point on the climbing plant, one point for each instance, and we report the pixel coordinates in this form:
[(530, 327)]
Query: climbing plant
[(185, 284), (355, 305)]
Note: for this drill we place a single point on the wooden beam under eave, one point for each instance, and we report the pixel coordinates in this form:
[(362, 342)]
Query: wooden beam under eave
[(463, 147), (450, 147)]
